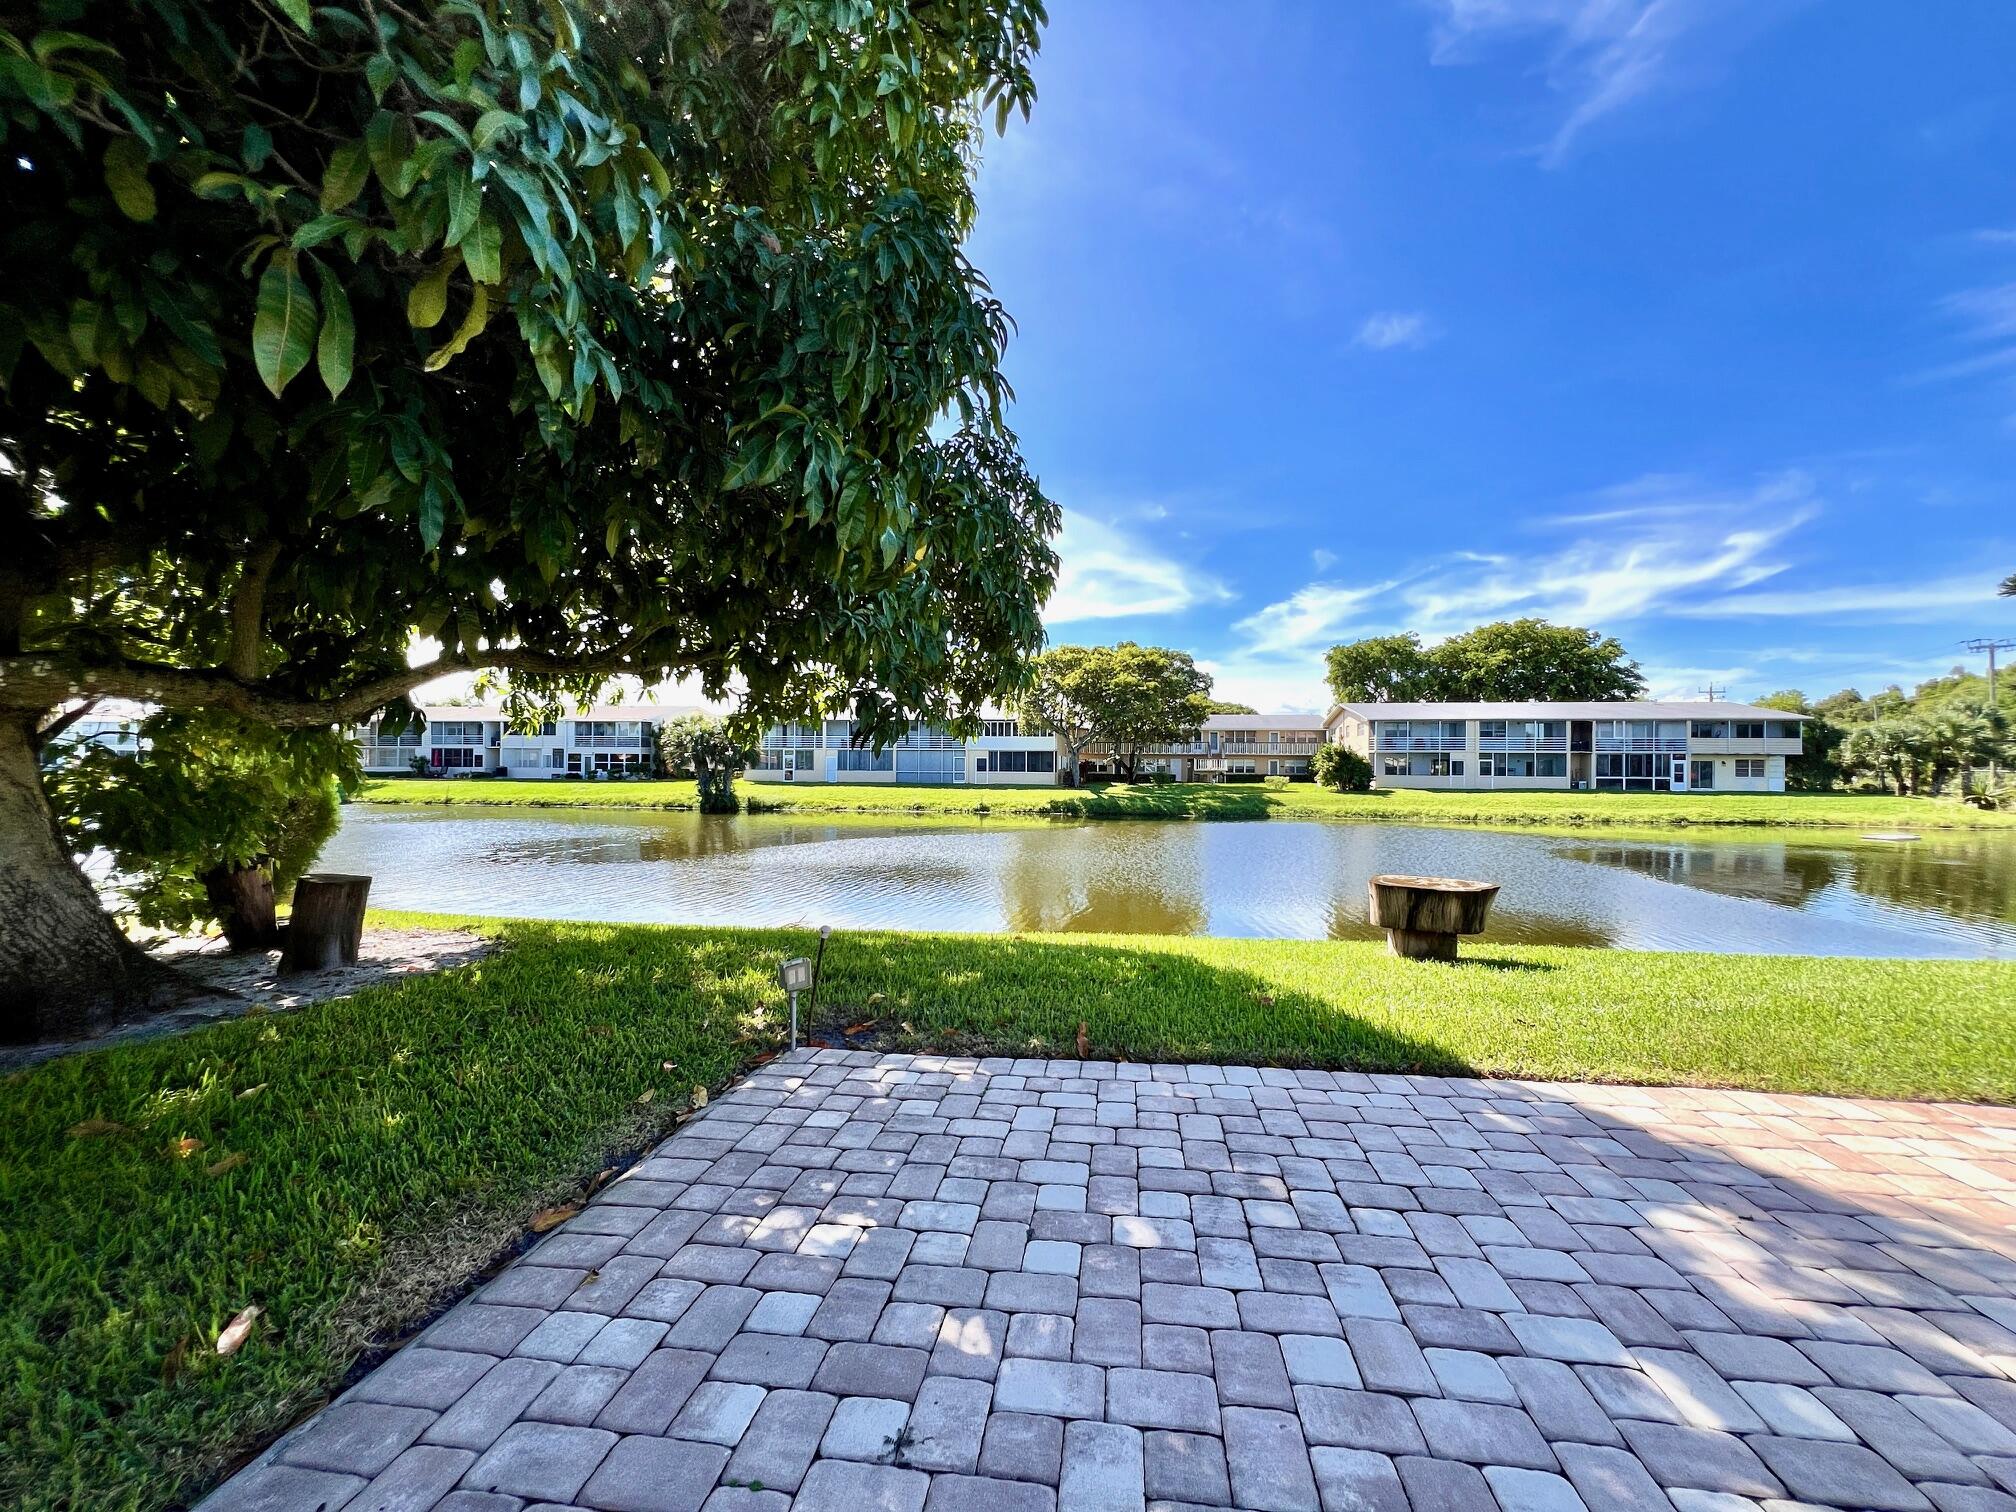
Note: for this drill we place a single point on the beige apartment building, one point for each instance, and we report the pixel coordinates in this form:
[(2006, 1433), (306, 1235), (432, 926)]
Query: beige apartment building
[(1634, 746)]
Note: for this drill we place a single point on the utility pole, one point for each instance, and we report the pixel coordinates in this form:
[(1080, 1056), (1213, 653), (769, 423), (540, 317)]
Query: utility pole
[(1991, 646), (1711, 692)]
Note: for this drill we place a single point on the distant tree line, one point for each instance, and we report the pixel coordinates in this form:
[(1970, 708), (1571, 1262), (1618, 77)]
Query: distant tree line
[(1925, 741)]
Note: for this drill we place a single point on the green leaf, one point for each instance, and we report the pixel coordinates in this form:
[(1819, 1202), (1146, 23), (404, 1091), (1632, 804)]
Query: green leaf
[(465, 203), (321, 229), (126, 177), (255, 146), (433, 516), (390, 140), (348, 171), (471, 327), (427, 302), (283, 324), (335, 348), (379, 72), (493, 124), (482, 250), (297, 11)]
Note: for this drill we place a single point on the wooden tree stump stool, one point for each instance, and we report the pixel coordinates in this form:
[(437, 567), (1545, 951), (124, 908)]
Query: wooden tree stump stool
[(327, 926), (1422, 916)]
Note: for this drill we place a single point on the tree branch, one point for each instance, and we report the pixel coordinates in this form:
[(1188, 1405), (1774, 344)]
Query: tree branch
[(35, 684), (248, 613), (62, 722)]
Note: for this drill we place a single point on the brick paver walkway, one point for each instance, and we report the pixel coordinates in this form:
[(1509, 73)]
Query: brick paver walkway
[(886, 1284)]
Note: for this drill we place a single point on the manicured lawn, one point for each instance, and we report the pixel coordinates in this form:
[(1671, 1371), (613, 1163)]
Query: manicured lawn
[(1860, 811), (393, 1143)]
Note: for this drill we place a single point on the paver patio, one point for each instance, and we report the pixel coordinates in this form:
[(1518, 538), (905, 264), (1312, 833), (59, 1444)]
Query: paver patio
[(866, 1283)]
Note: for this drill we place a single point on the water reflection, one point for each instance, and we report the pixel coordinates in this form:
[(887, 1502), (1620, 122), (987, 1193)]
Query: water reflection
[(1938, 897)]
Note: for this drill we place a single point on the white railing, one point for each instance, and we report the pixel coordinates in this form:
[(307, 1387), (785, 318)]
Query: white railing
[(372, 755), (1677, 744), (1522, 742), (583, 741), (1432, 743)]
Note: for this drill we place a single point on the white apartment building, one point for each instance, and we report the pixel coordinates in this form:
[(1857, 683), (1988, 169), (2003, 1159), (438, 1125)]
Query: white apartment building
[(1644, 747), (1232, 747), (462, 739), (1001, 755)]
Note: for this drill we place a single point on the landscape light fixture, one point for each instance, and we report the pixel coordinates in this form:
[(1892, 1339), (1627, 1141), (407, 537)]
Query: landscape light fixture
[(794, 976)]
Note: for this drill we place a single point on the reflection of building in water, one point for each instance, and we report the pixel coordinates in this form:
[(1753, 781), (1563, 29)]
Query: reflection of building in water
[(1094, 881), (1771, 873)]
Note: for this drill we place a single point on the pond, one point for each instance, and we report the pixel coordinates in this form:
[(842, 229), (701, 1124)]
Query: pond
[(1944, 895)]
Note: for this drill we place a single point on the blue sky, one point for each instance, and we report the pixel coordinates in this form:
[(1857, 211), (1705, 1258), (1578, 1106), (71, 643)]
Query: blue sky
[(1692, 322)]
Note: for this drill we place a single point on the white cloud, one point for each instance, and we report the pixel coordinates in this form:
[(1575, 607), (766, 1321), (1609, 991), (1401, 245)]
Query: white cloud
[(1603, 55), (1897, 602), (1666, 542), (1107, 573), (1384, 330), (1324, 560), (1310, 616), (1295, 685)]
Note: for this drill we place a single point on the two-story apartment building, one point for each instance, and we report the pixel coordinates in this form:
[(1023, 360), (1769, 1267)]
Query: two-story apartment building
[(478, 738), (1651, 746), (1001, 755), (1234, 746)]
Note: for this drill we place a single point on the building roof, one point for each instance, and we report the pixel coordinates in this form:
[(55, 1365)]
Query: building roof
[(1611, 709), (1264, 722), (599, 711)]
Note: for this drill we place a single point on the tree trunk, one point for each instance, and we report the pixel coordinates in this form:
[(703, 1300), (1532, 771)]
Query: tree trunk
[(66, 969), (242, 899), (327, 925)]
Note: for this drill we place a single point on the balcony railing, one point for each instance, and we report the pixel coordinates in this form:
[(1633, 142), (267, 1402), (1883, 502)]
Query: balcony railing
[(1522, 743), (583, 741), (1677, 744), (372, 755), (1420, 743)]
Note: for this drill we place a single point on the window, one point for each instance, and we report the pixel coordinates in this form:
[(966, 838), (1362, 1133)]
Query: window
[(866, 761), (458, 732), (1752, 729), (998, 728), (1490, 729), (930, 765), (1042, 761), (1609, 764), (1751, 766), (1455, 766), (1781, 729), (459, 757), (1555, 765), (1393, 765), (1711, 729), (1011, 761)]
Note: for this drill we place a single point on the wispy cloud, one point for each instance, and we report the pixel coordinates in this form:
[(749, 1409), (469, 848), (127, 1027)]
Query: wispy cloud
[(1323, 559), (1662, 543), (1108, 573), (1899, 602), (1386, 329), (1602, 55), (1312, 615)]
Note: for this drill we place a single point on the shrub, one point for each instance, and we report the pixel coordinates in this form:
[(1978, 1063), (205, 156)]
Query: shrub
[(1342, 768)]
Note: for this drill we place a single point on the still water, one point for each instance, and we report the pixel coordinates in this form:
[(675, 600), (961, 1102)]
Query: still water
[(1939, 896)]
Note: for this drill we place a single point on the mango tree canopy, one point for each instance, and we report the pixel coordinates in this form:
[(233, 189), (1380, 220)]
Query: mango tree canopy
[(635, 339)]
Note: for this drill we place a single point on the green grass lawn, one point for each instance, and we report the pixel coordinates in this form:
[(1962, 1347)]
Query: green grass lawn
[(1860, 811), (360, 1161)]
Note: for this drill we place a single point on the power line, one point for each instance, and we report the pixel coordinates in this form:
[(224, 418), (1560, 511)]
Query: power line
[(1991, 646), (1711, 692)]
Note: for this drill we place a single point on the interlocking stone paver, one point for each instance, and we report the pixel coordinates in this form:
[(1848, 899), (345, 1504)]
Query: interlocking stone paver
[(1103, 1468), (1036, 1286), (544, 1461)]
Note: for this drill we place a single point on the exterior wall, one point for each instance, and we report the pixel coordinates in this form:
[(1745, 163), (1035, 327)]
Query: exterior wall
[(945, 762)]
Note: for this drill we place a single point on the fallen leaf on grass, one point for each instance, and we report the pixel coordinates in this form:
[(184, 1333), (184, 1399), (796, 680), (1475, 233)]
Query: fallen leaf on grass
[(668, 1065), (647, 1094), (91, 1128), (237, 1331), (863, 1027), (588, 1280), (876, 997), (230, 1162), (1084, 1039), (251, 1091), (553, 1217), (699, 1096)]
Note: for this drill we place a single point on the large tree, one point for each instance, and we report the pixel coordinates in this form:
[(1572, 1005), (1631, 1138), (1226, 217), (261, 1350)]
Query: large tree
[(1123, 697), (1509, 661), (581, 340)]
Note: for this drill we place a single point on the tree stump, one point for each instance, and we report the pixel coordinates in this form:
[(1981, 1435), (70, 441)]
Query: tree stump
[(242, 899), (1422, 916), (327, 926)]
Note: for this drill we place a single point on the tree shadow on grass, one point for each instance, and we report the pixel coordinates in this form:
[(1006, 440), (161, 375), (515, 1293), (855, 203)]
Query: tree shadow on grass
[(1023, 997)]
